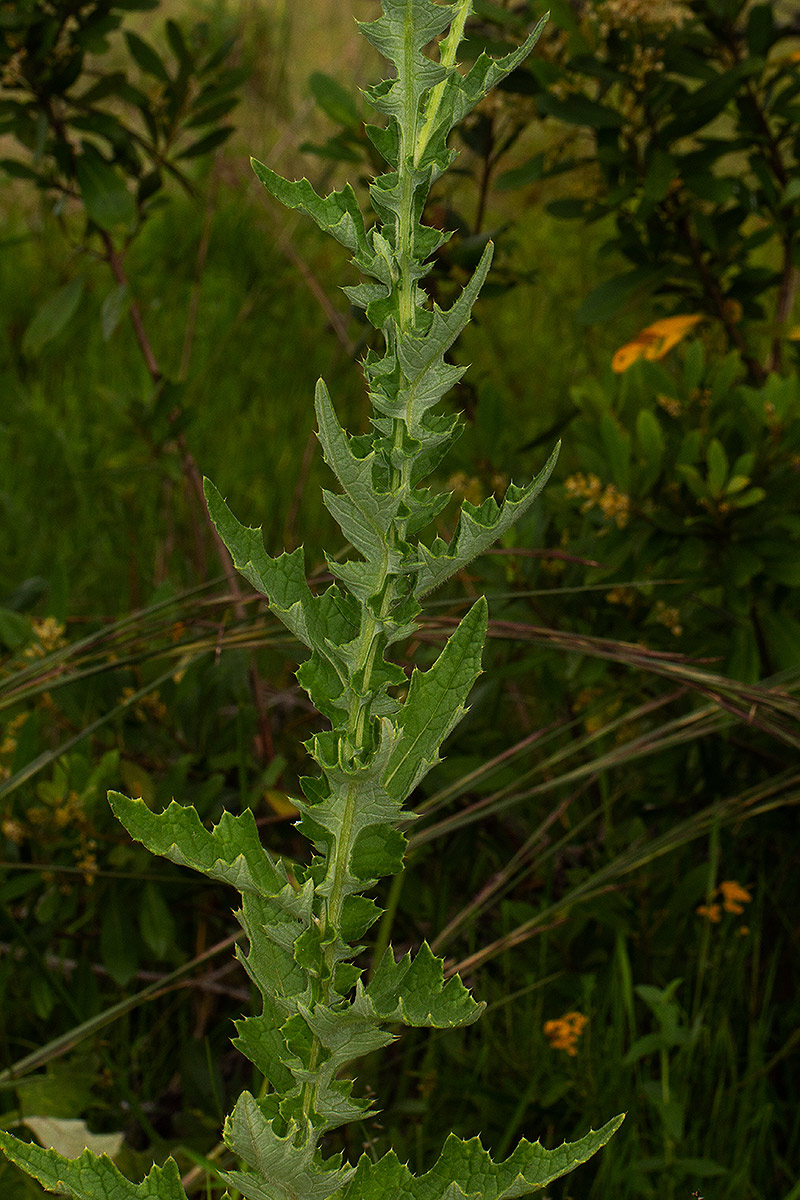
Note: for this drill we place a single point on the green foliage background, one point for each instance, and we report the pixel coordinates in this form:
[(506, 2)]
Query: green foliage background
[(638, 710)]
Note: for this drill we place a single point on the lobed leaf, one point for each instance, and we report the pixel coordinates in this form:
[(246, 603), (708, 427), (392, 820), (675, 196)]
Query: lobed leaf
[(435, 704), (337, 214), (478, 529), (465, 1169), (400, 34), (231, 852), (89, 1177), (317, 621), (417, 354), (414, 991), (354, 474), (283, 1171), (461, 93)]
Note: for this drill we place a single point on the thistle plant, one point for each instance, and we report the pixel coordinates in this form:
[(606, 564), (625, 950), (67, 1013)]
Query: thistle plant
[(305, 923)]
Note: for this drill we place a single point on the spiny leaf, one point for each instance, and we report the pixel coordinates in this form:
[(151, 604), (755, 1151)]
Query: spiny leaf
[(416, 355), (283, 1171), (435, 704), (89, 1177), (273, 927), (231, 852), (527, 1169), (478, 528), (318, 1042), (356, 819), (354, 473), (461, 93), (414, 991), (337, 214), (400, 34), (466, 1169), (314, 620), (282, 580)]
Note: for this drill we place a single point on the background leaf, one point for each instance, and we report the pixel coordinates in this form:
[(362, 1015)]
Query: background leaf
[(53, 316)]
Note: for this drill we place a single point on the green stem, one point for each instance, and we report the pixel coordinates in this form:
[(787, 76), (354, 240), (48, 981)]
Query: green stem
[(355, 736), (447, 58)]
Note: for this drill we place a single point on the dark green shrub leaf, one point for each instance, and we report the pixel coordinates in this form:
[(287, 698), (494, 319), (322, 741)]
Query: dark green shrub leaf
[(760, 29), (15, 630), (18, 170), (334, 100), (105, 194), (611, 296), (53, 315), (146, 57), (208, 143), (178, 45), (529, 172), (114, 307), (579, 110)]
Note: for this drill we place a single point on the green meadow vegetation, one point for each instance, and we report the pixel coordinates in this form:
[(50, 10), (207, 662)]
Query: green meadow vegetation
[(607, 853)]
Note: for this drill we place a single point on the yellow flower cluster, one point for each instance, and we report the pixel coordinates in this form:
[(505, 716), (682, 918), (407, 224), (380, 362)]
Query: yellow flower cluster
[(148, 707), (622, 595), (563, 1034), (8, 745), (646, 12), (13, 830), (49, 634), (646, 60), (9, 742), (668, 616), (613, 504), (731, 898), (86, 859)]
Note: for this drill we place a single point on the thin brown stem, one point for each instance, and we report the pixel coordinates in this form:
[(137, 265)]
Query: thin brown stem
[(114, 260)]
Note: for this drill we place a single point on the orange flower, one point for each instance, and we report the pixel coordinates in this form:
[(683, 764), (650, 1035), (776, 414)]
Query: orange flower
[(655, 341), (734, 896), (711, 911), (563, 1033)]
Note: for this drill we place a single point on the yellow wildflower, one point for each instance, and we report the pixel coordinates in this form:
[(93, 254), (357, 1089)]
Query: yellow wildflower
[(50, 633), (613, 503), (615, 506), (647, 12), (86, 860), (13, 830), (622, 595), (582, 486), (655, 341), (563, 1033), (668, 616)]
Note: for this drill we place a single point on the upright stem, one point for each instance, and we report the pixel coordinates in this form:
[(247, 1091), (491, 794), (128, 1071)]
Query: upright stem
[(449, 52), (356, 735)]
